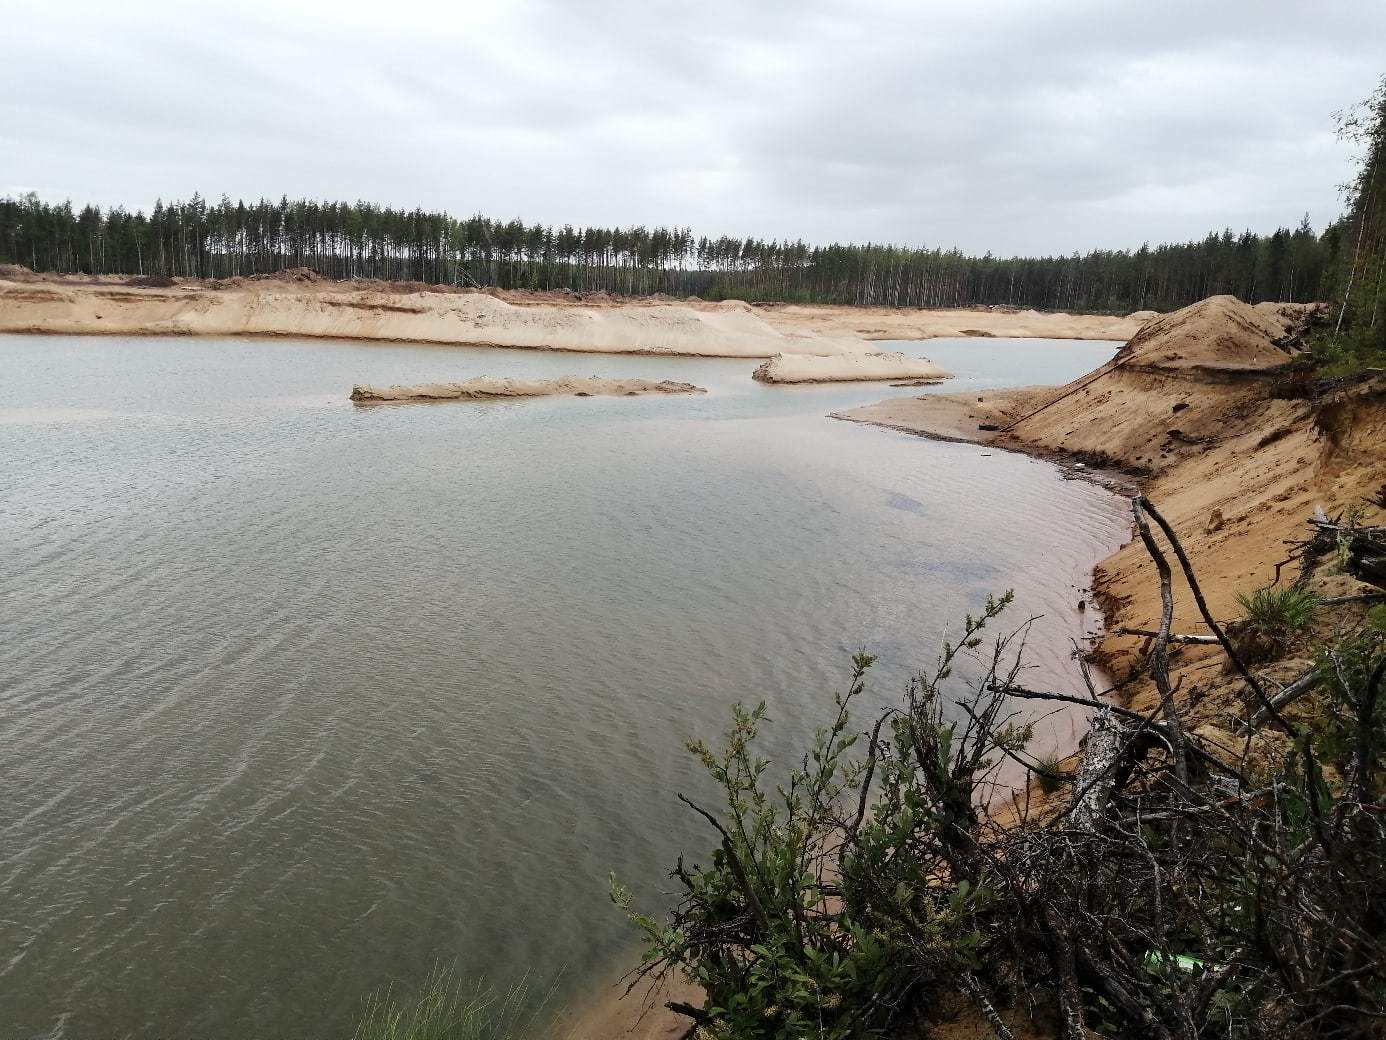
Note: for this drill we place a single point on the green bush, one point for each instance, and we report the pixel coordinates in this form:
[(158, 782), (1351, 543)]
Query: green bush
[(836, 896), (866, 894)]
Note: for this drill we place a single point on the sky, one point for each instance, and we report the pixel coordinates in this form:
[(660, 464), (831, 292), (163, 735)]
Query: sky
[(1021, 127)]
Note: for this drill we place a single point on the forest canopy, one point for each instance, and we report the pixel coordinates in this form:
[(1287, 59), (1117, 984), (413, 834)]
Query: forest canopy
[(340, 240)]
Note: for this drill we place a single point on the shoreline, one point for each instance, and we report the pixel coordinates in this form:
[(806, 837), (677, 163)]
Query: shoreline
[(946, 428), (1235, 466), (1235, 463), (609, 1013), (1246, 471)]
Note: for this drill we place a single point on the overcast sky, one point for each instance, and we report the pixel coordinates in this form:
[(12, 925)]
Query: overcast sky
[(1028, 126)]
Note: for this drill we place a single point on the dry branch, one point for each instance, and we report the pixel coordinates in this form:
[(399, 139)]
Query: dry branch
[(1208, 619)]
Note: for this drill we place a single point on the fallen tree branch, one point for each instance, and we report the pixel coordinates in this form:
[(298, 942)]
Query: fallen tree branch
[(1282, 700), (1196, 640), (1361, 597), (973, 989), (1159, 654), (1208, 618), (1158, 729)]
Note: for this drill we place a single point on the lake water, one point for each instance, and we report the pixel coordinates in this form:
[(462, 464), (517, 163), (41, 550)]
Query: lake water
[(299, 699)]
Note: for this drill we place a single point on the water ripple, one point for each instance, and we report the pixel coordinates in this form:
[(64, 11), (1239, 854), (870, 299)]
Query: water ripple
[(300, 699)]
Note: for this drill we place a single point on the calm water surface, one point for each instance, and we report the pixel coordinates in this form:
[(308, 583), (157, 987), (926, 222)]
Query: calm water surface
[(298, 699)]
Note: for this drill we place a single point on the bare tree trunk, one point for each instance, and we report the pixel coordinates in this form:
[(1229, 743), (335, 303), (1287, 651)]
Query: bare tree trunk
[(1093, 791)]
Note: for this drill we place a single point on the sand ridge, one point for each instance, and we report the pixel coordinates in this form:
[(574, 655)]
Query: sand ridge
[(804, 368), (484, 388), (904, 323)]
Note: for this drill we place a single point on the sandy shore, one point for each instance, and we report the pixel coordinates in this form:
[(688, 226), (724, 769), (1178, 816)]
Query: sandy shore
[(486, 388), (1190, 409), (299, 304)]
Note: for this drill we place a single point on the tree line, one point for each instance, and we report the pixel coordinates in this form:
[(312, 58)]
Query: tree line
[(339, 240), (1355, 335)]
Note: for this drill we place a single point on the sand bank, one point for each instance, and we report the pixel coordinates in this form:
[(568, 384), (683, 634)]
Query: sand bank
[(487, 388), (284, 307), (877, 323), (1196, 411), (300, 304), (803, 368)]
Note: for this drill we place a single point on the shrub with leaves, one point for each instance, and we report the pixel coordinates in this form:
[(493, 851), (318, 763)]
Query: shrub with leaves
[(838, 898), (1049, 774), (1177, 896)]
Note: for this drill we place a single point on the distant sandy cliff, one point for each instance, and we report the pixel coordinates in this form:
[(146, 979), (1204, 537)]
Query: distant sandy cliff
[(906, 323), (282, 307), (299, 304)]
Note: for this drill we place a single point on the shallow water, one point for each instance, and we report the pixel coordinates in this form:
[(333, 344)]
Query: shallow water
[(298, 699)]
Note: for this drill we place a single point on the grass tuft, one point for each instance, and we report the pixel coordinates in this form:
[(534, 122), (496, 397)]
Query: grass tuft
[(446, 1010), (1050, 775), (1279, 613)]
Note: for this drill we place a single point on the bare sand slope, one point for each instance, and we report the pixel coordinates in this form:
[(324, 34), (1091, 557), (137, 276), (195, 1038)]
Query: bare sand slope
[(804, 368), (485, 388), (877, 323), (283, 307), (1195, 409)]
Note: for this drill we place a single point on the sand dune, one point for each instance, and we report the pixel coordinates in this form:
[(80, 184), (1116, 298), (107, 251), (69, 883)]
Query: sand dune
[(802, 368), (486, 388)]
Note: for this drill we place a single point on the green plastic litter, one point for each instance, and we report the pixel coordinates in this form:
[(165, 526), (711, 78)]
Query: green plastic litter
[(1182, 961)]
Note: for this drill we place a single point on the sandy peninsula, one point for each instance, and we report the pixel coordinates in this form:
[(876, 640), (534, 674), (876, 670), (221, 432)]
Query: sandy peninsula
[(486, 388), (805, 368), (298, 303), (1195, 410)]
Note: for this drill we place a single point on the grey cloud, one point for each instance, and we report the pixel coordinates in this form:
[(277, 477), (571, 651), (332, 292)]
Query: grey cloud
[(1009, 126)]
